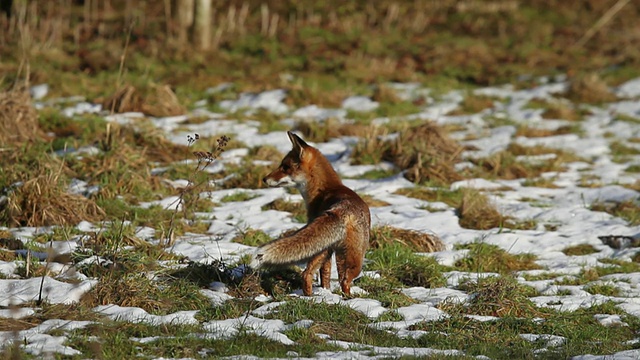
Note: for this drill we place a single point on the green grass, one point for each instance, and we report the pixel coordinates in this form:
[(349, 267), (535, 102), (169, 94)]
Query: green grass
[(500, 296), (622, 153), (449, 197), (252, 237), (579, 250), (377, 174), (500, 339), (385, 289), (603, 289), (181, 341), (540, 276), (618, 266), (238, 196), (297, 209), (333, 320), (628, 210), (400, 264), (483, 257), (627, 118)]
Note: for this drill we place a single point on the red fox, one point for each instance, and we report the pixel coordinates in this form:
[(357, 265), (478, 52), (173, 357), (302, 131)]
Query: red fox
[(339, 220)]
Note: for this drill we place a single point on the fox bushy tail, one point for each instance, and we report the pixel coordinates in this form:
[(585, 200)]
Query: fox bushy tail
[(321, 233)]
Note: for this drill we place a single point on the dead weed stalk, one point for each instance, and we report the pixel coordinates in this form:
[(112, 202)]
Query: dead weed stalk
[(205, 158)]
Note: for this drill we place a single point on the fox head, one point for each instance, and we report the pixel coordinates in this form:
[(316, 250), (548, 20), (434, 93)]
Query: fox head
[(291, 172)]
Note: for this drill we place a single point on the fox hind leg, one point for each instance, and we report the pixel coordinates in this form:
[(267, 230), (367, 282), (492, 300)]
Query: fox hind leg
[(348, 268), (325, 272), (313, 265)]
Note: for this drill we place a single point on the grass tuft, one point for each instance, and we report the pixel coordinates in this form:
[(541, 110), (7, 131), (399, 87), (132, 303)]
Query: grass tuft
[(498, 296), (152, 99), (579, 250), (424, 152), (388, 235), (483, 257), (252, 237), (44, 200), (477, 212), (18, 118), (589, 88), (331, 128), (401, 264)]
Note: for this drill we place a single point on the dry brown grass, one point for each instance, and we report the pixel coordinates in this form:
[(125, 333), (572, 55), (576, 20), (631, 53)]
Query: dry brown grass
[(497, 296), (477, 212), (124, 165), (505, 165), (473, 104), (266, 153), (18, 118), (46, 311), (589, 88), (152, 143), (474, 208), (331, 128), (560, 110), (155, 100), (249, 287), (628, 210), (297, 209), (44, 201), (385, 94), (7, 255), (303, 94), (635, 186), (373, 202), (8, 324), (417, 241), (541, 182), (427, 153), (531, 132), (124, 289), (246, 176)]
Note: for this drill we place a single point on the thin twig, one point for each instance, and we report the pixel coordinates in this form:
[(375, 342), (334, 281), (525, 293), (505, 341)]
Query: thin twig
[(601, 22), (46, 267), (123, 57), (205, 158)]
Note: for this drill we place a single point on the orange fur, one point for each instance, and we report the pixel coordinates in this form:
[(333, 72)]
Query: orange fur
[(339, 220)]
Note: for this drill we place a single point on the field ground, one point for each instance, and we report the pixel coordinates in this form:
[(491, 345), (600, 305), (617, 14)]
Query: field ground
[(130, 192)]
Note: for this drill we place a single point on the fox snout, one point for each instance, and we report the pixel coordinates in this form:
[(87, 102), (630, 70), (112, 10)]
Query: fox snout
[(273, 178), (278, 179)]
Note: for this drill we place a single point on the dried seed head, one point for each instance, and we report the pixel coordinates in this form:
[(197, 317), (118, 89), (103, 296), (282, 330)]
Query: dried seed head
[(207, 156)]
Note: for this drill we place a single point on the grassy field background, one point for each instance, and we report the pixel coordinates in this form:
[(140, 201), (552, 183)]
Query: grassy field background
[(332, 48)]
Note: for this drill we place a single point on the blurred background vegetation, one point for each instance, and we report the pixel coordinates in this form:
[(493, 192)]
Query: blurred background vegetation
[(333, 47)]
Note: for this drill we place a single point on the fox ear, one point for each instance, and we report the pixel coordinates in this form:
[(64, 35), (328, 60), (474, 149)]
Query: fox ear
[(298, 144)]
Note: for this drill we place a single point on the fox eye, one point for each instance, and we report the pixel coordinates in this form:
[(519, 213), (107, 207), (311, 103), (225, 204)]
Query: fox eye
[(285, 167)]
